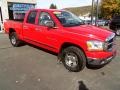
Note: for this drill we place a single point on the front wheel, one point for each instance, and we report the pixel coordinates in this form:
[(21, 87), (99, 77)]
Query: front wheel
[(73, 59)]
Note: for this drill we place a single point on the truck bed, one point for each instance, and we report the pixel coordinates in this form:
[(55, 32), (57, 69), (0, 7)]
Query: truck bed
[(16, 20), (12, 24)]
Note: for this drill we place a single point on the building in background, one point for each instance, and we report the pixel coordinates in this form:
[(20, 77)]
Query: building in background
[(14, 9)]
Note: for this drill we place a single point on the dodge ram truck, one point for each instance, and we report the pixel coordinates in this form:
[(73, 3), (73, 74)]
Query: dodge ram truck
[(63, 33)]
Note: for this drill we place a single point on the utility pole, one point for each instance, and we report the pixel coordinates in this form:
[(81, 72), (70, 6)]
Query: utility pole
[(92, 11), (97, 12)]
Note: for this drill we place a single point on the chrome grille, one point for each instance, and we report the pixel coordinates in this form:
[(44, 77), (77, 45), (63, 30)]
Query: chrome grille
[(110, 42)]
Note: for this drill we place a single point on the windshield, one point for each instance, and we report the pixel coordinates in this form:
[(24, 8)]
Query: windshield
[(68, 19), (117, 17)]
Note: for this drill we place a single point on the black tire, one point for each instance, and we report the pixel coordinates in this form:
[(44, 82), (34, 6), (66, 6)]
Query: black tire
[(79, 57), (117, 32), (16, 42)]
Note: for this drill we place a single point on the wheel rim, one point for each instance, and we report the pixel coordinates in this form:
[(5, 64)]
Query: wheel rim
[(13, 40), (118, 32), (71, 60)]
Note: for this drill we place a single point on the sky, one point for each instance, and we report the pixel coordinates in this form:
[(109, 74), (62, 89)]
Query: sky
[(63, 3)]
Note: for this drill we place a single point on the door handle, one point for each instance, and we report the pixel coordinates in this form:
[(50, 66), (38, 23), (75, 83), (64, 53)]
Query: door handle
[(25, 27), (37, 29)]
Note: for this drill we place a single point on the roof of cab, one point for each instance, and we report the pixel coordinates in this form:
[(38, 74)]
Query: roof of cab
[(49, 10)]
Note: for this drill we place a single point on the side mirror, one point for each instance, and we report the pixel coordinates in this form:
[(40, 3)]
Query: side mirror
[(49, 24)]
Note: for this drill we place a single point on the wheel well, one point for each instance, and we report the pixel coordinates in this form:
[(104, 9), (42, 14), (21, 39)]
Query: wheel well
[(65, 45), (11, 30)]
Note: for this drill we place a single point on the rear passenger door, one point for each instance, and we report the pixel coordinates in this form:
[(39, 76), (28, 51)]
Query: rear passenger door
[(29, 27)]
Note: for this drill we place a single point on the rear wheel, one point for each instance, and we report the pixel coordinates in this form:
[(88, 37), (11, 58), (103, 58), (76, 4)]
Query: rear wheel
[(14, 39), (73, 59)]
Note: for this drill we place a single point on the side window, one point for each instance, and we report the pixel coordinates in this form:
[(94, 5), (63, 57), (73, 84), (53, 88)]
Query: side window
[(43, 18), (31, 17)]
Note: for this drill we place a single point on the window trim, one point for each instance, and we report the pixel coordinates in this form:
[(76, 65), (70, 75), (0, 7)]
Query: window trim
[(49, 15), (35, 17)]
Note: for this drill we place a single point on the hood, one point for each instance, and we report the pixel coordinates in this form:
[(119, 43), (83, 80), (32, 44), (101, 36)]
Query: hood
[(90, 31)]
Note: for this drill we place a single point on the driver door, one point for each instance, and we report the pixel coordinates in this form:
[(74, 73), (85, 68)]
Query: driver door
[(49, 35)]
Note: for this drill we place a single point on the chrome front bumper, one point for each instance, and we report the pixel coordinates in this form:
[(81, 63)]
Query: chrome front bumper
[(99, 62)]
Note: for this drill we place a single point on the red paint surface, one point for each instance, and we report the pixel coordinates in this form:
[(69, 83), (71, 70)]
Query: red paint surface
[(53, 39)]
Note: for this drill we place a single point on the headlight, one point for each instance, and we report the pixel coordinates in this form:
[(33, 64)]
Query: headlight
[(95, 45)]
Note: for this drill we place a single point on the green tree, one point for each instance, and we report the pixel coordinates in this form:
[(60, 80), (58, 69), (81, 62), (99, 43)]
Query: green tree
[(110, 8), (53, 6)]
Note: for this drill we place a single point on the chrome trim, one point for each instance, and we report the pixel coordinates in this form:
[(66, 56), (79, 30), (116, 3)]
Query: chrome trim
[(110, 37)]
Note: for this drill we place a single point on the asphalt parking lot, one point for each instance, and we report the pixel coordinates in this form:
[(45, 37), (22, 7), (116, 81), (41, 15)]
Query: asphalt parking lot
[(29, 68)]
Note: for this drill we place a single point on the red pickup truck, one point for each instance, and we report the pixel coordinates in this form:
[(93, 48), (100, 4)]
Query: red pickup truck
[(59, 31)]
